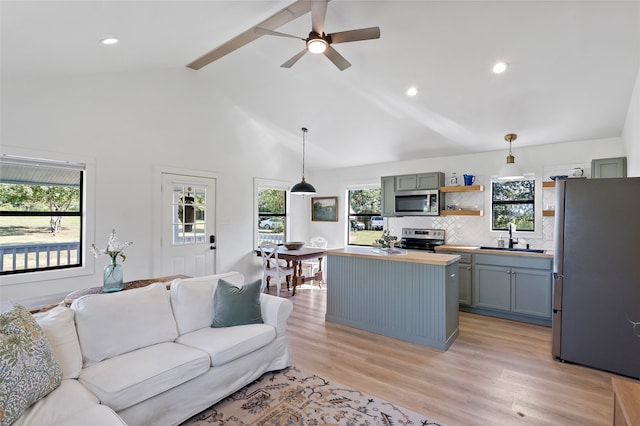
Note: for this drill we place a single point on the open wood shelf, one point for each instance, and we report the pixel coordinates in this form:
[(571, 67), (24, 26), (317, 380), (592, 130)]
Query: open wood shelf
[(461, 212), (461, 188), (549, 184), (548, 213)]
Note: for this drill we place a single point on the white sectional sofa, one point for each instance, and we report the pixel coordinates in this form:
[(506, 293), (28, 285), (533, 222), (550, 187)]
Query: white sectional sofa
[(149, 356)]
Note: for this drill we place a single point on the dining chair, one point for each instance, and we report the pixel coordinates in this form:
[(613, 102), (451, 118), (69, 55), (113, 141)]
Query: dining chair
[(314, 264), (271, 266)]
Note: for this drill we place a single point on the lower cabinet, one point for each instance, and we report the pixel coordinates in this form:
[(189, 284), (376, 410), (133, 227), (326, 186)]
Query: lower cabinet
[(519, 287), (506, 286), (517, 290), (464, 284), (464, 277)]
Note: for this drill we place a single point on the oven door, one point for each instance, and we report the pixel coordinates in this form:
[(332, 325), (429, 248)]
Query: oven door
[(417, 244), (416, 203)]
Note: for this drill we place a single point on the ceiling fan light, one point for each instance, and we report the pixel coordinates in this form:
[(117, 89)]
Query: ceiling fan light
[(316, 45)]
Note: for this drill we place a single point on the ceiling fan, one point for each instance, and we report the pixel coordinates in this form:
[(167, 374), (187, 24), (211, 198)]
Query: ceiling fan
[(317, 37), (319, 42)]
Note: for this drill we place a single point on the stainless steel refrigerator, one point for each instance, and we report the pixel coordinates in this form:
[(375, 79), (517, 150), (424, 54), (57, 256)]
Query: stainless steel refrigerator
[(596, 291)]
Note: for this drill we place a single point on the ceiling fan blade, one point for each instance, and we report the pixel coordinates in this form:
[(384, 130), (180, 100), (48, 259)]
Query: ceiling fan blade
[(318, 15), (293, 60), (277, 20), (264, 31), (355, 35), (336, 58)]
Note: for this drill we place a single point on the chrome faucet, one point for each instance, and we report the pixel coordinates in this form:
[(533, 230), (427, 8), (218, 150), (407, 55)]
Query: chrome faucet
[(512, 241)]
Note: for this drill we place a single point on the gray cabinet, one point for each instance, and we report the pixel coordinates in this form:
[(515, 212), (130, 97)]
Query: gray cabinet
[(492, 288), (419, 181), (387, 190), (609, 167), (514, 287), (464, 277)]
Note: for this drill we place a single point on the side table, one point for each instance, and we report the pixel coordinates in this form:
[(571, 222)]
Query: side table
[(69, 298), (626, 402)]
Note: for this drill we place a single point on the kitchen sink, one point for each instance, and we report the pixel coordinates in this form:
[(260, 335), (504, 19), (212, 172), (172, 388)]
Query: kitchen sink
[(526, 250)]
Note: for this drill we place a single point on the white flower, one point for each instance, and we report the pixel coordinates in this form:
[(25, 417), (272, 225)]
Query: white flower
[(113, 249)]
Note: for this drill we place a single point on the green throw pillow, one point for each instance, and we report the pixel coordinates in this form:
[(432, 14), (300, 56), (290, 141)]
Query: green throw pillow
[(236, 305), (28, 369)]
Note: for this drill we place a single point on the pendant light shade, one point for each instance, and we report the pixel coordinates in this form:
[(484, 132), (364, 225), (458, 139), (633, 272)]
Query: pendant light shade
[(510, 170), (303, 187)]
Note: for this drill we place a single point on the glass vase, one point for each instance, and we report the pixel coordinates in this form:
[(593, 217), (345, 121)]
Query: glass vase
[(112, 277)]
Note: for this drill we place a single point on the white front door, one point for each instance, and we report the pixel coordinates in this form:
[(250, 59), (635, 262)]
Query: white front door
[(188, 225)]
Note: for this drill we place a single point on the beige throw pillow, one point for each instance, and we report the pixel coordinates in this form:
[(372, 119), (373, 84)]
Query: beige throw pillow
[(28, 369)]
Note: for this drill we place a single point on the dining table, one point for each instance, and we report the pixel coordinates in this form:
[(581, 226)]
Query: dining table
[(294, 259)]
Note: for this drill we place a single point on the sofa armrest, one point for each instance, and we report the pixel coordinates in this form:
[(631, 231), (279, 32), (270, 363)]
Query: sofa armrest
[(275, 311)]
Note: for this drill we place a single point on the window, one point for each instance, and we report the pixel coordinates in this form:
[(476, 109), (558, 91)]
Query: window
[(272, 215), (364, 221), (513, 201), (41, 215)]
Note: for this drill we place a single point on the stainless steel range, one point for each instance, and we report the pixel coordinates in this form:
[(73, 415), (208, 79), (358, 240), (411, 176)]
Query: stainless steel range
[(422, 239)]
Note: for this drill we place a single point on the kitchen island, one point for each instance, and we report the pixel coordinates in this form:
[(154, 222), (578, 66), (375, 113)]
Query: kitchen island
[(411, 295)]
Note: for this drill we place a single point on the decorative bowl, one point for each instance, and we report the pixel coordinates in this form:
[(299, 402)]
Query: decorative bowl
[(294, 245)]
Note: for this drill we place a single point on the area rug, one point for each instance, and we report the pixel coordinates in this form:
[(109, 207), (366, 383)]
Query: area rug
[(296, 397)]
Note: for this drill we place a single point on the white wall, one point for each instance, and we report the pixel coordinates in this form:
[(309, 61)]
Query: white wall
[(631, 132), (543, 161), (129, 123)]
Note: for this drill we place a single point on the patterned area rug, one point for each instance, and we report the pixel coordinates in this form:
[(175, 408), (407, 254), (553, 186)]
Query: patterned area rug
[(295, 397)]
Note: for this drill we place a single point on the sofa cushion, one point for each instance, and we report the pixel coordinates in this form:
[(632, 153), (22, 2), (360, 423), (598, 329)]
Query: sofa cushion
[(59, 327), (97, 415), (68, 398), (112, 324), (130, 378), (192, 299), (227, 344), (28, 368), (236, 305)]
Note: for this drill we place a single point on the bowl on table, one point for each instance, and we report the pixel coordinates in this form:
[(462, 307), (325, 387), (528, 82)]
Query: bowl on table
[(294, 245)]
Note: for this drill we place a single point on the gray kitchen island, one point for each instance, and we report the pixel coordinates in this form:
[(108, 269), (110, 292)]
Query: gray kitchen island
[(411, 295)]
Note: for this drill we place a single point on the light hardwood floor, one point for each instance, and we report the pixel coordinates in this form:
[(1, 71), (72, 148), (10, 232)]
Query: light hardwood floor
[(497, 372)]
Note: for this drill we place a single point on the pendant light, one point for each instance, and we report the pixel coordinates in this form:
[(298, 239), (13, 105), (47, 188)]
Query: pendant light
[(303, 187), (511, 170)]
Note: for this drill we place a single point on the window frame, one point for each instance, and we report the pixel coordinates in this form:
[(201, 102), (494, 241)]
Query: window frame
[(533, 202), (87, 206), (260, 184), (368, 215)]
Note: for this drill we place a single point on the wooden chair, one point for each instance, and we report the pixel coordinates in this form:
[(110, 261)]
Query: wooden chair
[(271, 266), (314, 265)]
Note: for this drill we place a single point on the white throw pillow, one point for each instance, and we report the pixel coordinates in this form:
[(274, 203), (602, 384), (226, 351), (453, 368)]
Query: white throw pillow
[(60, 329), (111, 324), (192, 299)]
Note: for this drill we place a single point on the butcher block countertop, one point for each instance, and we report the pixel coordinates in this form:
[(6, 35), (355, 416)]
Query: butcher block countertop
[(411, 256), (476, 250)]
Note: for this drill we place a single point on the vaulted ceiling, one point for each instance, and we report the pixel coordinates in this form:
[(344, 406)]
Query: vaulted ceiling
[(571, 69)]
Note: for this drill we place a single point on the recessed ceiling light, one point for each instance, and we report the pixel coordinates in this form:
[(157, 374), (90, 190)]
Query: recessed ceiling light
[(109, 40), (499, 67), (412, 91)]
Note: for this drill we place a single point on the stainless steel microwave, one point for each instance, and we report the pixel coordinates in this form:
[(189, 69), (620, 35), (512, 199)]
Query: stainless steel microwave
[(417, 203)]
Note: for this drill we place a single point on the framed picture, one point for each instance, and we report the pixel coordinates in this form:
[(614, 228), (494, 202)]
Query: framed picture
[(324, 209)]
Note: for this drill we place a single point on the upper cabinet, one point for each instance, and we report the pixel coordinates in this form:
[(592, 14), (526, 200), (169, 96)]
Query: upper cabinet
[(419, 181), (609, 167), (388, 187)]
